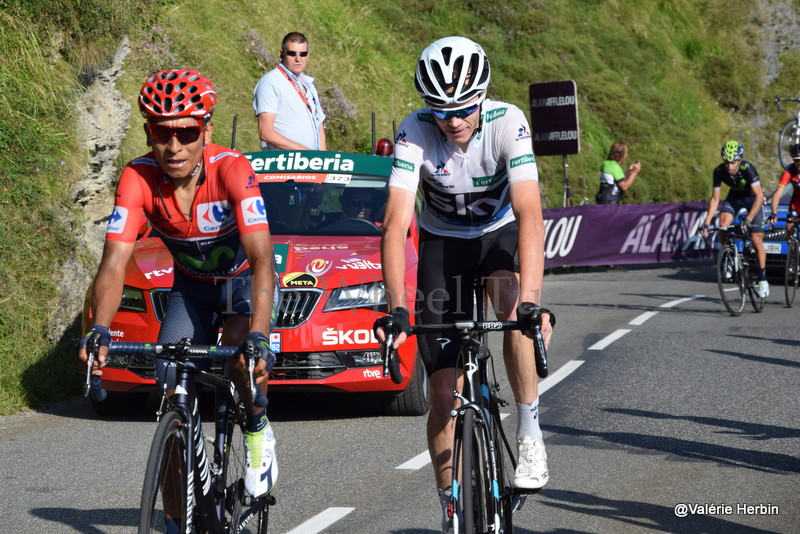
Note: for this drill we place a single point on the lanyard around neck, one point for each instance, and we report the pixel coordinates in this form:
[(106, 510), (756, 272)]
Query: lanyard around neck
[(299, 91)]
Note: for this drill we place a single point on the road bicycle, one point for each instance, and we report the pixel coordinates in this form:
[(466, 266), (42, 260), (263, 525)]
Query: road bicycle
[(791, 280), (790, 133), (197, 479), (735, 277), (483, 499)]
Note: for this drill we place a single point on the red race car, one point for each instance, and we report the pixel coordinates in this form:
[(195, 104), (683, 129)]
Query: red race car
[(325, 210)]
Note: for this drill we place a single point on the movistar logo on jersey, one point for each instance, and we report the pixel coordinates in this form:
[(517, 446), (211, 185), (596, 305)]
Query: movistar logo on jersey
[(493, 114), (300, 162), (214, 216), (116, 223), (522, 160), (405, 165)]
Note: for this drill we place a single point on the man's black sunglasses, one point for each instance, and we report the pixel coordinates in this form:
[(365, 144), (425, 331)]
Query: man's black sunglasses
[(293, 53)]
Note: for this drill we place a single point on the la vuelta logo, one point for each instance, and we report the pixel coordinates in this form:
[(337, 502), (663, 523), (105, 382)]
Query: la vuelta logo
[(560, 235), (318, 267)]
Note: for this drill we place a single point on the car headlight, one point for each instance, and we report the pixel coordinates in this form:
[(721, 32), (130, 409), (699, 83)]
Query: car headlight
[(371, 295), (132, 299)]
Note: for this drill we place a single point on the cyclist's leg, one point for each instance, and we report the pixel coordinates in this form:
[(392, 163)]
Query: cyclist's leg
[(445, 294), (500, 260)]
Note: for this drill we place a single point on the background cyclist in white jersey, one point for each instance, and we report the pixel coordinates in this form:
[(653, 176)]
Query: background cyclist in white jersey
[(473, 161)]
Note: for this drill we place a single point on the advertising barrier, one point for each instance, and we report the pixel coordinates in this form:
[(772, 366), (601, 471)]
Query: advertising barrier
[(624, 234)]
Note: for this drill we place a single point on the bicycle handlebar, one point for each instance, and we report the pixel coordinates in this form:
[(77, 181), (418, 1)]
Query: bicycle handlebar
[(482, 327), (777, 101), (172, 351)]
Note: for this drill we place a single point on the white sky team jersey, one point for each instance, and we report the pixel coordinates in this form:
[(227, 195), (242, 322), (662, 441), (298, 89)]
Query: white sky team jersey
[(466, 194)]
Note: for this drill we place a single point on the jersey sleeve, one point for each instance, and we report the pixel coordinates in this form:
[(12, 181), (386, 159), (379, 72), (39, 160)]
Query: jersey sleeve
[(786, 176), (126, 218), (717, 178), (408, 154), (514, 144), (265, 96), (245, 195)]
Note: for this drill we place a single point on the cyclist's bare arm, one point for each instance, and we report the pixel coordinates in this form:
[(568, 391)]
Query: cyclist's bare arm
[(107, 288), (396, 221), (713, 204), (527, 206)]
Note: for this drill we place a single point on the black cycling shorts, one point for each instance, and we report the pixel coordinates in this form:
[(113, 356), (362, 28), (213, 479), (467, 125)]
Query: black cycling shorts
[(733, 205), (447, 266)]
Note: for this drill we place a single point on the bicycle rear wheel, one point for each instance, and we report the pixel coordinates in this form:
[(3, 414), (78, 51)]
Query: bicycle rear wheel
[(788, 136), (790, 277), (730, 281), (165, 480), (476, 494)]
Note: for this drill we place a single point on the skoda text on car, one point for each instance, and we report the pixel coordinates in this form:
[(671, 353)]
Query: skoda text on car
[(325, 210)]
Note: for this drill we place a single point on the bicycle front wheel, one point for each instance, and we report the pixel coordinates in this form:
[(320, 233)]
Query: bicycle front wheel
[(752, 285), (476, 494), (790, 277), (730, 281), (165, 480), (240, 512), (789, 135)]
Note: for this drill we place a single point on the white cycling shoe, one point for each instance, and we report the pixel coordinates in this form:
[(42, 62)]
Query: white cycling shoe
[(763, 289), (261, 468), (531, 473)]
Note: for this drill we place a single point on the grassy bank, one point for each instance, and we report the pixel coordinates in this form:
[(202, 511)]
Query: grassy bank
[(665, 76)]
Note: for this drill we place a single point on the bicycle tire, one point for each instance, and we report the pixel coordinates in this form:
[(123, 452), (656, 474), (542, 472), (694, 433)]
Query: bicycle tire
[(240, 512), (790, 275), (789, 133), (731, 288), (752, 283), (165, 476), (474, 483)]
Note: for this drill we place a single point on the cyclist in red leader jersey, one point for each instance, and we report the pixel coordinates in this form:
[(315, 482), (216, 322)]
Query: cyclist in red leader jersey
[(791, 175), (204, 201)]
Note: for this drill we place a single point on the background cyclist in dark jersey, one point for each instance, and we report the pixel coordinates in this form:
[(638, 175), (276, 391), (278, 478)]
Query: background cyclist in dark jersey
[(745, 193), (204, 201)]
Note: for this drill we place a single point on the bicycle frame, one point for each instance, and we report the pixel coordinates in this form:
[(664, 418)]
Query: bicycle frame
[(206, 491)]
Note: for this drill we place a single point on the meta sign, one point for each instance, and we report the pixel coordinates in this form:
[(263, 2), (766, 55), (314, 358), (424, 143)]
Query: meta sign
[(554, 118)]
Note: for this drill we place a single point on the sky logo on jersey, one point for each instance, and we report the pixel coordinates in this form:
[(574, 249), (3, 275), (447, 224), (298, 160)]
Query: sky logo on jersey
[(254, 211), (116, 223), (214, 216)]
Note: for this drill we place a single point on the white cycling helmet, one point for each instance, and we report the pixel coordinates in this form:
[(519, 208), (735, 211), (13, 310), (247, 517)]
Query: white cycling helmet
[(452, 70)]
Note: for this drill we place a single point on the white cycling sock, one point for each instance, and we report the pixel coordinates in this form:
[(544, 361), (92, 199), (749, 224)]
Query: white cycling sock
[(528, 420)]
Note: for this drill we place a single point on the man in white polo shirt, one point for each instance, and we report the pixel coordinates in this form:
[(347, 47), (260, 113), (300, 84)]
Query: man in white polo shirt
[(286, 103)]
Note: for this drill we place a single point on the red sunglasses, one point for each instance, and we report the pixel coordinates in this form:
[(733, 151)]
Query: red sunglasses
[(186, 135)]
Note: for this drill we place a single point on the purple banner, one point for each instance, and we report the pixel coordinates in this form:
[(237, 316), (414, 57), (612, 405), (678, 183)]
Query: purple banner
[(623, 234)]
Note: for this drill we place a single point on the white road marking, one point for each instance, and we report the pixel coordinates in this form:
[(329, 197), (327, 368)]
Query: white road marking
[(417, 462), (563, 372), (680, 301), (642, 318), (609, 339), (320, 522)]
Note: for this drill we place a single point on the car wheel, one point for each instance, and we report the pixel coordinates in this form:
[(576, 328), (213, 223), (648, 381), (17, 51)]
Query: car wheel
[(415, 400)]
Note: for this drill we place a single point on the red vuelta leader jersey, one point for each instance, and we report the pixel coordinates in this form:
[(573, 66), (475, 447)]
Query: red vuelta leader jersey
[(227, 204)]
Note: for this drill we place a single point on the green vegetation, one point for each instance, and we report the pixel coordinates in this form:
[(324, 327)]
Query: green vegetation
[(667, 77)]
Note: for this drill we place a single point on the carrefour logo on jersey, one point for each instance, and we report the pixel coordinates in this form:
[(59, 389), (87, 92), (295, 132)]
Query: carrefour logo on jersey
[(254, 211), (214, 216), (116, 223)]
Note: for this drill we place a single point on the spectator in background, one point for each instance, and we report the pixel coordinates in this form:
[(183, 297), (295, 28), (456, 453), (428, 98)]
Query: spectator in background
[(286, 102), (614, 182)]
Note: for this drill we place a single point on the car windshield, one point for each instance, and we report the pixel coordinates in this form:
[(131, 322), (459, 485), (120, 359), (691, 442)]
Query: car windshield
[(327, 209)]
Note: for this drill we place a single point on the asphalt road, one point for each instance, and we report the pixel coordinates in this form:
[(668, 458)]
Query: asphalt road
[(662, 414)]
